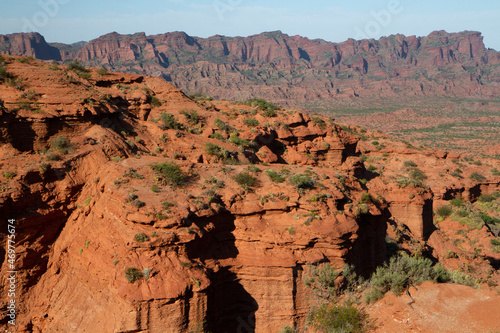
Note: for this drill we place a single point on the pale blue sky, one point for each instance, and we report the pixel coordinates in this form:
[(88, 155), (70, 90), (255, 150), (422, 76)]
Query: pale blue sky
[(70, 21)]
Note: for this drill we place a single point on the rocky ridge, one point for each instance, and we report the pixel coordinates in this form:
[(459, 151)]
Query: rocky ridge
[(290, 70), (208, 252)]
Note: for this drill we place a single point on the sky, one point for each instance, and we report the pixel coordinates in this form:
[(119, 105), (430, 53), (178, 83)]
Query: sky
[(70, 21)]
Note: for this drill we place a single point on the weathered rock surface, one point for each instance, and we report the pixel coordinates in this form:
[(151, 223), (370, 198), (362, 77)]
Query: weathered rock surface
[(212, 254)]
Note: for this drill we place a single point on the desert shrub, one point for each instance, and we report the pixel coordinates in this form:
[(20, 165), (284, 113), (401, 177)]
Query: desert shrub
[(222, 154), (102, 71), (17, 83), (75, 65), (60, 144), (155, 102), (417, 176), (477, 177), (288, 329), (8, 174), (192, 116), (401, 272), (337, 318), (365, 198), (52, 157), (275, 176), (495, 245), (167, 205), (217, 136), (79, 69), (155, 188), (242, 143), (132, 274), (268, 107), (489, 219), (302, 181), (132, 173), (463, 279), (456, 202), (200, 97), (250, 122), (141, 237), (245, 180), (486, 198), (361, 209), (169, 121), (321, 280), (171, 173), (318, 121), (371, 168), (444, 211), (409, 164), (4, 75), (223, 126)]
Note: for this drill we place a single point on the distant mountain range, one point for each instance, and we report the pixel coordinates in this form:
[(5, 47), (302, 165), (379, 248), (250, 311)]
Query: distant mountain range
[(291, 70)]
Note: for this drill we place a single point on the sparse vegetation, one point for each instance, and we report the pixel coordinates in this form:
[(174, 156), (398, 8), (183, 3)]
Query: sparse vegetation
[(8, 175), (275, 176), (246, 180), (250, 122), (192, 117), (132, 274), (444, 211), (224, 155), (154, 102), (302, 182), (477, 177), (60, 144), (141, 237), (171, 173), (169, 121), (79, 69)]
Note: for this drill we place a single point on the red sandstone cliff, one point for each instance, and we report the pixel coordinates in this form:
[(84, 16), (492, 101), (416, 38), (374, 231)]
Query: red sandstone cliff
[(219, 256)]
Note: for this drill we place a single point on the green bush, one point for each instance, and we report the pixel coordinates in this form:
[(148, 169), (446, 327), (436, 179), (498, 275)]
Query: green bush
[(410, 164), (337, 318), (132, 274), (132, 173), (4, 75), (79, 69), (61, 144), (222, 154), (192, 117), (486, 198), (8, 174), (217, 136), (477, 177), (456, 202), (223, 126), (141, 237), (155, 102), (246, 180), (171, 173), (401, 272), (250, 122), (234, 138), (302, 181), (444, 211), (169, 121), (268, 107), (275, 176)]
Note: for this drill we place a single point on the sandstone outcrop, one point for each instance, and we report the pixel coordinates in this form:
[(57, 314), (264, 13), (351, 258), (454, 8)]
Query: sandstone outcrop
[(106, 242)]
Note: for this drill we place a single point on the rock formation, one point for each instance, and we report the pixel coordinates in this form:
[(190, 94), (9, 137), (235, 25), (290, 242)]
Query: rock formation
[(220, 237)]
